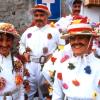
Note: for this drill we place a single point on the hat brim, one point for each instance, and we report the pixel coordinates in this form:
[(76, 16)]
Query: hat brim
[(36, 9), (66, 36), (15, 35)]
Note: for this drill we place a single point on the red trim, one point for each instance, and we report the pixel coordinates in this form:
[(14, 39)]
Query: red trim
[(79, 29), (42, 7)]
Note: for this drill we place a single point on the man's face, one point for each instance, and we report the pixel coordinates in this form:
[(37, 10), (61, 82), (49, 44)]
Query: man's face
[(40, 18), (76, 8), (79, 44), (6, 42)]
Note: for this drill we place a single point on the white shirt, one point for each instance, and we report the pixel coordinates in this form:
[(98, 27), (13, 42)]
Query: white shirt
[(80, 82), (38, 38)]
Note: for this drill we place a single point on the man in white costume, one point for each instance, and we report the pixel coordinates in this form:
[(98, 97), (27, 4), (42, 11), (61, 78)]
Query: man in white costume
[(37, 44), (78, 78), (11, 69)]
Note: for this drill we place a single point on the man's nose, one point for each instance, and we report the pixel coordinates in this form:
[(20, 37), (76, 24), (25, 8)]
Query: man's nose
[(4, 43)]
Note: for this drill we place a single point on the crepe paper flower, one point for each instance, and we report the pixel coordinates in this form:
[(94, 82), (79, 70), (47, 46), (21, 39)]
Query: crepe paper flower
[(87, 70), (52, 24), (52, 74), (71, 66), (60, 47), (66, 57), (50, 89), (53, 59), (94, 95), (28, 49), (17, 66), (49, 36), (45, 50), (18, 79), (65, 86), (59, 76), (75, 82), (26, 85), (2, 83), (26, 72), (99, 83), (29, 35)]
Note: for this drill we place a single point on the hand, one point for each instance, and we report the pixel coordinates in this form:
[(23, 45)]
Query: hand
[(26, 56)]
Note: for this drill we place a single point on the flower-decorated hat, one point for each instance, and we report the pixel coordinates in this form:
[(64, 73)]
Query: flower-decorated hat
[(8, 28), (42, 8), (79, 27)]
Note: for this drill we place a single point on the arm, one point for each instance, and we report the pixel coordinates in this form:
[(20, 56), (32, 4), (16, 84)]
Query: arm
[(57, 90)]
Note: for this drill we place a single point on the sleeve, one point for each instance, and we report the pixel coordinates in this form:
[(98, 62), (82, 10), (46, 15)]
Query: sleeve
[(22, 43), (57, 90), (58, 39)]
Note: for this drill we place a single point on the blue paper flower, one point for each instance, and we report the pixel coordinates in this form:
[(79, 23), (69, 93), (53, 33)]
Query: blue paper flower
[(87, 69)]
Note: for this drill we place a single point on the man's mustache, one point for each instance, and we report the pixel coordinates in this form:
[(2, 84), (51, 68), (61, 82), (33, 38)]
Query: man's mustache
[(75, 44), (39, 20)]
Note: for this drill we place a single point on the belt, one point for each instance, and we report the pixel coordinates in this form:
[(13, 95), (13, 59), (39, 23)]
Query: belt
[(43, 59), (9, 93)]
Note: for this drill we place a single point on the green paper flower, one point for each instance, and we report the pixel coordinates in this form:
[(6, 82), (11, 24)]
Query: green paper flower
[(71, 66)]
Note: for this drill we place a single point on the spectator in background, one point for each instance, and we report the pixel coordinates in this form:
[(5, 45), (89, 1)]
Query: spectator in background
[(63, 22), (37, 45)]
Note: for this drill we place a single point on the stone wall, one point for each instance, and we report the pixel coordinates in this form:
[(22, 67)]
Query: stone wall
[(16, 12)]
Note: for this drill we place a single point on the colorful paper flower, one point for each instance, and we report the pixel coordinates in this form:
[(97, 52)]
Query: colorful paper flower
[(59, 76), (75, 82), (26, 72), (52, 24), (49, 36), (99, 83), (29, 35), (71, 66), (87, 70), (65, 86), (52, 74), (94, 95), (64, 58), (2, 83), (26, 85), (18, 79), (45, 50), (17, 66), (53, 59)]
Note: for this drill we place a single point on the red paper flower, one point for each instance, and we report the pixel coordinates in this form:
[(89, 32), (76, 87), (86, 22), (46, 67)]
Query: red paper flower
[(99, 83), (59, 76), (49, 36), (53, 59), (2, 83), (76, 82), (64, 58), (65, 86), (18, 79)]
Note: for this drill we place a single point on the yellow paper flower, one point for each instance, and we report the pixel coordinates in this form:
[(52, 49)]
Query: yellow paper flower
[(52, 24), (60, 47), (76, 21), (94, 95)]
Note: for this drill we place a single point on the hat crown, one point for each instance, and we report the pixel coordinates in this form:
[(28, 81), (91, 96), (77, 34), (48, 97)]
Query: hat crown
[(41, 7), (8, 28), (80, 26)]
